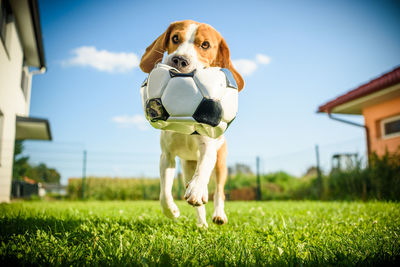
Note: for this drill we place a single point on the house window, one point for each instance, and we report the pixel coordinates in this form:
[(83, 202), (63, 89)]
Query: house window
[(5, 13), (24, 82), (390, 127)]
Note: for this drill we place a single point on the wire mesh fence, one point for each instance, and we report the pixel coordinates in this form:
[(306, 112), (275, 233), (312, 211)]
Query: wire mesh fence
[(304, 174), (68, 159)]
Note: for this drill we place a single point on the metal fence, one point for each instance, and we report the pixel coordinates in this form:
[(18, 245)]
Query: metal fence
[(74, 160)]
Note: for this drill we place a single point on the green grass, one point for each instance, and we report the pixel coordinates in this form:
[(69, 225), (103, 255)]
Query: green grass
[(258, 233)]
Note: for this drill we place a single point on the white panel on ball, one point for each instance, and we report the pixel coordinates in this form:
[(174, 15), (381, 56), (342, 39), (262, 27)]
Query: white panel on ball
[(181, 97), (211, 82), (143, 93), (202, 102), (157, 81), (229, 103)]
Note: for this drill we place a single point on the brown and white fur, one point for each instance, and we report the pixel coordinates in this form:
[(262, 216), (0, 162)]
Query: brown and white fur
[(191, 45)]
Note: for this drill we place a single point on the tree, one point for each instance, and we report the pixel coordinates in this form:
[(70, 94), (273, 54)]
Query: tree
[(241, 168), (42, 173), (39, 173), (311, 171), (21, 166)]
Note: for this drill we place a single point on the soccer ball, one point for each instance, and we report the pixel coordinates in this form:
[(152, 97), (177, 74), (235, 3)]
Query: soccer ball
[(203, 102)]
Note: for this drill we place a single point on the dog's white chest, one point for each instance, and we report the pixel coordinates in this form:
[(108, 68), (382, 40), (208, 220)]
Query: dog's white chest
[(187, 146)]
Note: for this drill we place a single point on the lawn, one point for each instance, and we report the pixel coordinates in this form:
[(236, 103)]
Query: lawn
[(258, 233)]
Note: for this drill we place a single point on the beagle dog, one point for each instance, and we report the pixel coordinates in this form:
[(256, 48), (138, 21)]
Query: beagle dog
[(191, 45)]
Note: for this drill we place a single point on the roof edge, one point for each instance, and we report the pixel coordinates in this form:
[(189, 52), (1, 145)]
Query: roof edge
[(34, 9), (38, 120), (385, 80)]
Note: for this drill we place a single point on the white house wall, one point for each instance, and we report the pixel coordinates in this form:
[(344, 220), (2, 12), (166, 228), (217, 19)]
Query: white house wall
[(12, 103)]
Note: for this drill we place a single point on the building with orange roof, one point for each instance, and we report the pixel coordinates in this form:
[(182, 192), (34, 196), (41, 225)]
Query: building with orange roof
[(379, 102)]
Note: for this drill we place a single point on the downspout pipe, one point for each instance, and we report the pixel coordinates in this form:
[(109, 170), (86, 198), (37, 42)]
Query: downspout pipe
[(354, 124), (42, 70)]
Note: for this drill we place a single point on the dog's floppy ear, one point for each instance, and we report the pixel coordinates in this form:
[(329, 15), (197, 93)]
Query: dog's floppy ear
[(155, 52), (223, 60)]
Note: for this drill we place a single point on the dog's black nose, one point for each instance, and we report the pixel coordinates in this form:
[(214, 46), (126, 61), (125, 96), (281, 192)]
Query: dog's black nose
[(180, 62)]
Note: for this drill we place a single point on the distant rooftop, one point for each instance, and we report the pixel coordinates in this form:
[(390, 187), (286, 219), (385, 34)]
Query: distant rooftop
[(372, 92), (27, 18)]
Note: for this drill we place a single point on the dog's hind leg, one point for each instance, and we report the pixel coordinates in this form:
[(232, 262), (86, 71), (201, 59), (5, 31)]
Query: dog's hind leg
[(167, 173), (188, 169), (201, 216), (221, 174)]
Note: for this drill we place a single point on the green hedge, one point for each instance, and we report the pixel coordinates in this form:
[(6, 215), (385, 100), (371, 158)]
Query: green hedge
[(277, 185), (114, 188), (380, 181)]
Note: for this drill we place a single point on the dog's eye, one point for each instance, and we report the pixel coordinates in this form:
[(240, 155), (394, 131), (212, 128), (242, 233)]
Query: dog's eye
[(205, 45), (175, 39)]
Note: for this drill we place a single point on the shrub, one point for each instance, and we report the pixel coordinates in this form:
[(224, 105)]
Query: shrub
[(380, 180), (114, 188), (384, 173)]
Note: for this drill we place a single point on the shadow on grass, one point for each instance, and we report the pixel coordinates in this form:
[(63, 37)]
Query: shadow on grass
[(82, 233), (11, 226), (55, 226)]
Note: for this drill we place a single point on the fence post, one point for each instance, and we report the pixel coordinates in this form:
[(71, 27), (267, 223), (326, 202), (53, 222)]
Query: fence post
[(84, 175), (258, 179), (319, 176)]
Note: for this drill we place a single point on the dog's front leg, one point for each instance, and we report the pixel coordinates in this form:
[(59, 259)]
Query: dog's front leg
[(167, 172), (197, 192)]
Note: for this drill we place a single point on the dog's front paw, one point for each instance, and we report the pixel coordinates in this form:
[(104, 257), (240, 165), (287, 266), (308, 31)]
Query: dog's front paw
[(196, 193), (169, 208), (203, 225), (219, 217)]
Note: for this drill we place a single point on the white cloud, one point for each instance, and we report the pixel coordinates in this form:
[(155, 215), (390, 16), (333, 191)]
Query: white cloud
[(263, 59), (138, 121), (102, 60), (246, 67)]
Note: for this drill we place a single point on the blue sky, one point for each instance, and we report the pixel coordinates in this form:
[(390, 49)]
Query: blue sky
[(317, 50)]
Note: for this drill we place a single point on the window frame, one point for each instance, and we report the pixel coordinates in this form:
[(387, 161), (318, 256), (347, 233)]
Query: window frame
[(388, 120), (4, 21), (24, 82)]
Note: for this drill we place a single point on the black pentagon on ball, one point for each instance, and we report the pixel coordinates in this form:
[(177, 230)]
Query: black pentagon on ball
[(208, 112), (144, 83), (173, 73), (229, 123), (155, 110)]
